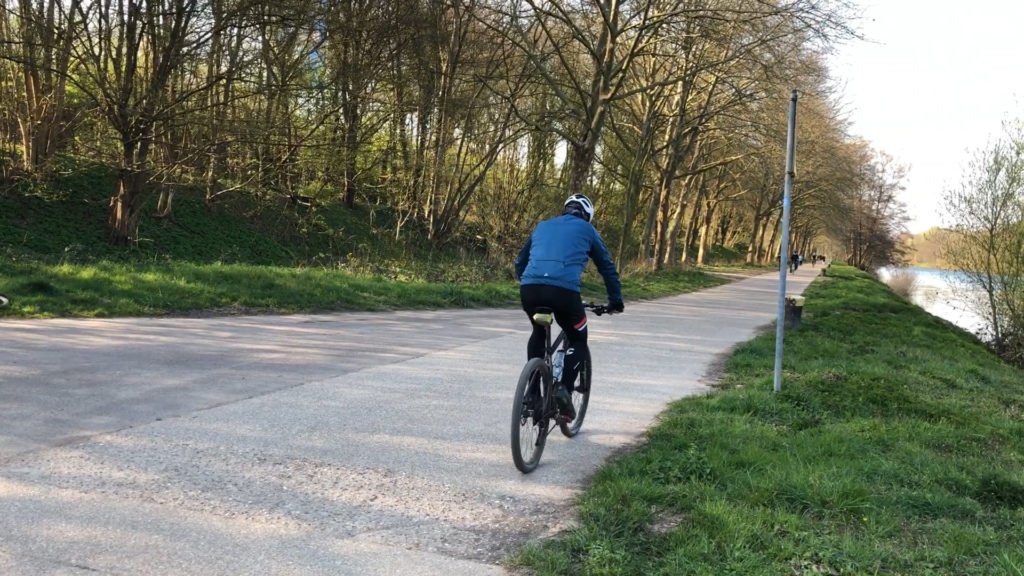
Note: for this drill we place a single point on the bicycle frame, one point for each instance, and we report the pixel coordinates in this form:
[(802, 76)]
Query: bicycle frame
[(549, 410), (534, 397), (551, 347)]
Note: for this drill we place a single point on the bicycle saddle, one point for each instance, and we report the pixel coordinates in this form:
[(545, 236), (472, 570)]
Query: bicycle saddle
[(543, 316)]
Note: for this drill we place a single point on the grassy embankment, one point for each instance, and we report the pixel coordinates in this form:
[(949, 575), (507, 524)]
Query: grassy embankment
[(239, 256), (895, 447), (122, 289)]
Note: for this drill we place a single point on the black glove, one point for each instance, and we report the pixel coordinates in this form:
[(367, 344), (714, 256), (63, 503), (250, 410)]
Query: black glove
[(616, 307)]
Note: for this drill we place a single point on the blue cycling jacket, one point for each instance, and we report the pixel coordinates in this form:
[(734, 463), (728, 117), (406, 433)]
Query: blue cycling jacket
[(557, 252)]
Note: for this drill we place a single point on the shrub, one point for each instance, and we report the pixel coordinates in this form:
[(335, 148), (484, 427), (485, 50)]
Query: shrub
[(903, 282)]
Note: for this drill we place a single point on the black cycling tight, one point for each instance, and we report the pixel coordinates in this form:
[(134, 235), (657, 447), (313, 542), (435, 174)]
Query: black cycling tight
[(571, 317)]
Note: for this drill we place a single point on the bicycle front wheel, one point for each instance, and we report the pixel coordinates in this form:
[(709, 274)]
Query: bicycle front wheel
[(580, 401), (529, 424)]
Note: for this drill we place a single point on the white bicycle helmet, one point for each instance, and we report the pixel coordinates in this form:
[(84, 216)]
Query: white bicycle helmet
[(584, 203)]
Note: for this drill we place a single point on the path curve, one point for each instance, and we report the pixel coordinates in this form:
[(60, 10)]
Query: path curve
[(336, 444)]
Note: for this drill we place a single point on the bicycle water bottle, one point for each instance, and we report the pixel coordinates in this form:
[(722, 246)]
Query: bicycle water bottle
[(556, 364)]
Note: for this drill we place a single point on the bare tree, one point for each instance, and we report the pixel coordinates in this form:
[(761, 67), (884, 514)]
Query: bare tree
[(224, 61), (582, 53), (987, 215), (128, 52), (37, 38), (357, 52), (728, 57), (869, 222)]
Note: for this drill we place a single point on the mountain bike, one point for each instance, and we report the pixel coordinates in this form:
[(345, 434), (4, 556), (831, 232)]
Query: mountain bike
[(534, 410)]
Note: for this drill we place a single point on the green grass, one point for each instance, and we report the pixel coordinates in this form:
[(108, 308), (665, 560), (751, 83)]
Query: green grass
[(39, 290), (118, 289), (895, 447)]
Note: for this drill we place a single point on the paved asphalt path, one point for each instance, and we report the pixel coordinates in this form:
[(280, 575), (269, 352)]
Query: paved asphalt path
[(336, 444)]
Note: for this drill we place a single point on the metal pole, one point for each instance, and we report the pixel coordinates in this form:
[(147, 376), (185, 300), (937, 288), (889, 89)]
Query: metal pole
[(784, 249)]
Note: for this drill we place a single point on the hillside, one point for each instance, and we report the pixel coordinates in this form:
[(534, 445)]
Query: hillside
[(62, 220), (250, 254)]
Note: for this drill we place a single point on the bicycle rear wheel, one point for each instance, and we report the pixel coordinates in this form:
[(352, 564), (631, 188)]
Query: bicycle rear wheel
[(580, 401), (529, 425)]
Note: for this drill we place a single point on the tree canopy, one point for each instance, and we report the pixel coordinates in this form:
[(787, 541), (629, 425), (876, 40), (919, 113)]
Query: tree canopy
[(465, 119)]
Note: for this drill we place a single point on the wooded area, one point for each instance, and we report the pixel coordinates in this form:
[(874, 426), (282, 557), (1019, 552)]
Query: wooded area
[(466, 119)]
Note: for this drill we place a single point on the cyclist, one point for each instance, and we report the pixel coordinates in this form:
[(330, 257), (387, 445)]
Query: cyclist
[(549, 268)]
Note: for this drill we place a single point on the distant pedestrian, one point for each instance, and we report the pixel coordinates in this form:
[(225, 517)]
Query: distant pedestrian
[(794, 262)]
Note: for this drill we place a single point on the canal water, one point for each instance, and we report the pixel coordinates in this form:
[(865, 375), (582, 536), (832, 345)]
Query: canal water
[(946, 294)]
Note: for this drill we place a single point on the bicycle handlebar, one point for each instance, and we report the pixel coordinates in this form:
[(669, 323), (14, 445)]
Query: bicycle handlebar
[(598, 309)]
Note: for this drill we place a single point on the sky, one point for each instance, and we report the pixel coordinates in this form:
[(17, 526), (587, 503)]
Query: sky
[(932, 82)]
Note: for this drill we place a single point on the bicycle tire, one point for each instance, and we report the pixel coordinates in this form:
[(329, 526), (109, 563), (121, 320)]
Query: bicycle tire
[(529, 425), (580, 401)]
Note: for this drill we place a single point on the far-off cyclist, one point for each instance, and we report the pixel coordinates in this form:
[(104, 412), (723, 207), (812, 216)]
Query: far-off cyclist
[(549, 268)]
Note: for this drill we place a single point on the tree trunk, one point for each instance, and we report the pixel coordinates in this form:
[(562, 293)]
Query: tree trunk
[(582, 163), (640, 160), (126, 207), (762, 241), (219, 100), (755, 233), (352, 122), (659, 218), (648, 243), (45, 59), (705, 231), (671, 243), (164, 203), (770, 248), (674, 247)]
